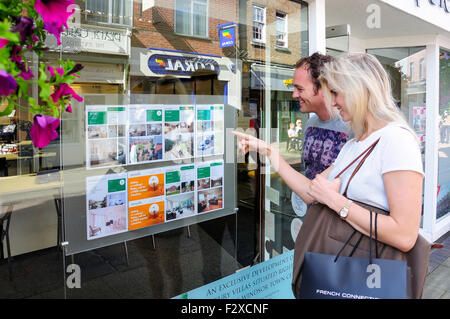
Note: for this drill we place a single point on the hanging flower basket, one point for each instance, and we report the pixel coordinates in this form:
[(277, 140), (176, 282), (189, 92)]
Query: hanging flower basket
[(24, 25)]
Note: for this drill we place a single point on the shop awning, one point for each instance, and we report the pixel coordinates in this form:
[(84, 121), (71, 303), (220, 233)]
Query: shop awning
[(280, 78)]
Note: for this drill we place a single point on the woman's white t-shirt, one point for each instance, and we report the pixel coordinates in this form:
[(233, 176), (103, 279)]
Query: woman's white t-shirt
[(396, 150)]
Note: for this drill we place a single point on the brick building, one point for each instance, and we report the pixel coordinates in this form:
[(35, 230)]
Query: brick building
[(186, 30)]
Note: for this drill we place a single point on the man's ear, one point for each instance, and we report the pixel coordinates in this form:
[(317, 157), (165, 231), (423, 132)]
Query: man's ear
[(320, 92)]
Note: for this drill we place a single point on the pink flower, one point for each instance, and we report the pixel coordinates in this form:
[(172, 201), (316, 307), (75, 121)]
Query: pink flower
[(69, 108), (63, 91), (43, 130), (52, 71), (3, 42), (54, 14), (7, 83)]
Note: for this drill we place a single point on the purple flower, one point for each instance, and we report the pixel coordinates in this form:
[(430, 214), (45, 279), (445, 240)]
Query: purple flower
[(26, 74), (15, 54), (63, 91), (78, 67), (3, 42), (54, 14), (7, 83), (44, 130), (25, 26)]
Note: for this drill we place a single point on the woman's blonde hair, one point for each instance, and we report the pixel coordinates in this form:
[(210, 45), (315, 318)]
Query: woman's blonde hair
[(366, 87)]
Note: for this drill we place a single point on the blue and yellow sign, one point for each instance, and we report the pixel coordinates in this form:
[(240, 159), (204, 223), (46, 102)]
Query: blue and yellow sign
[(227, 37)]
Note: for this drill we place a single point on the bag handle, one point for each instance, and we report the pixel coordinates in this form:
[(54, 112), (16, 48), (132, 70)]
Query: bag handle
[(366, 153), (376, 237), (360, 238)]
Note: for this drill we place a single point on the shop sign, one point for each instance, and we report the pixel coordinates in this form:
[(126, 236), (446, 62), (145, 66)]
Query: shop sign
[(444, 4), (227, 37), (87, 39), (178, 65), (271, 279)]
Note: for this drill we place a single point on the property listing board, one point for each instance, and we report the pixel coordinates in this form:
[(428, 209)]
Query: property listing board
[(135, 134), (128, 201)]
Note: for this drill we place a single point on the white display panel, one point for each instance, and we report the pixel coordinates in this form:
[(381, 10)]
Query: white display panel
[(138, 134), (145, 130), (147, 213), (106, 205), (179, 132), (106, 136), (129, 201), (210, 129)]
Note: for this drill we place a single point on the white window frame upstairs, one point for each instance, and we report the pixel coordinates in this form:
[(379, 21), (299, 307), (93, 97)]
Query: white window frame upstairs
[(190, 32), (123, 8), (281, 33), (259, 20)]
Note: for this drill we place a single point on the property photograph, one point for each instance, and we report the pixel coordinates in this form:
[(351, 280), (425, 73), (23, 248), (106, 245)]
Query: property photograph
[(180, 206), (209, 200), (178, 146), (144, 149)]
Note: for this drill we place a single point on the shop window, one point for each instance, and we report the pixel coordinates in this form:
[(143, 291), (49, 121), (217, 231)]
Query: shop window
[(191, 17), (443, 197), (109, 11), (259, 24), (408, 91), (282, 32)]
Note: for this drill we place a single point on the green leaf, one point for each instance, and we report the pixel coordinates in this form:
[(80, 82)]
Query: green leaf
[(8, 109), (45, 91)]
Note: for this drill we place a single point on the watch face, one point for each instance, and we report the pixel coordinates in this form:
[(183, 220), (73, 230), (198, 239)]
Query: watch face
[(343, 213)]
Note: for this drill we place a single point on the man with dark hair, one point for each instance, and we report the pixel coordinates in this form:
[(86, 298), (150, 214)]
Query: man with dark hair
[(325, 133)]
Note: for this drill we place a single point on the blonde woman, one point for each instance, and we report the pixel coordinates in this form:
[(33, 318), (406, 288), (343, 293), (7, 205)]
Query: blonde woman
[(391, 176)]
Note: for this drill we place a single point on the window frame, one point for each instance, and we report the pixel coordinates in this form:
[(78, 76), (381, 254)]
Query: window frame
[(110, 15), (191, 17), (284, 32), (264, 23)]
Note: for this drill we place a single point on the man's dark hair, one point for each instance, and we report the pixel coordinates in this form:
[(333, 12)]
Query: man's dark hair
[(314, 64)]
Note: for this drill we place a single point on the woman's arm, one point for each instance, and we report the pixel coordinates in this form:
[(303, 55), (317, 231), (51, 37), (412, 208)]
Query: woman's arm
[(296, 181), (404, 194)]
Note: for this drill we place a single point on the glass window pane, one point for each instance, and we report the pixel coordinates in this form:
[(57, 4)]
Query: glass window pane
[(408, 90), (145, 153), (200, 19), (117, 12), (182, 17), (443, 200), (97, 10)]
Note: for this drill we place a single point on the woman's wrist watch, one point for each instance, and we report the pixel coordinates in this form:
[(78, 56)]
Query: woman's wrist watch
[(344, 211)]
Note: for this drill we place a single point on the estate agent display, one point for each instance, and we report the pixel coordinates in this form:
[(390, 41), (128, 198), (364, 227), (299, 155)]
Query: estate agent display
[(139, 134)]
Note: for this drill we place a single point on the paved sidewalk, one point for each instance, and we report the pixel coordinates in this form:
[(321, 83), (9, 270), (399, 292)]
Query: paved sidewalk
[(437, 284)]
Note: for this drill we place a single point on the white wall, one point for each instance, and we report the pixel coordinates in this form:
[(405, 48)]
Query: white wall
[(431, 13)]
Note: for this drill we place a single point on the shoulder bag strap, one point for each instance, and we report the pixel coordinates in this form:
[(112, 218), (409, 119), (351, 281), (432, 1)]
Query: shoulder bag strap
[(366, 153)]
